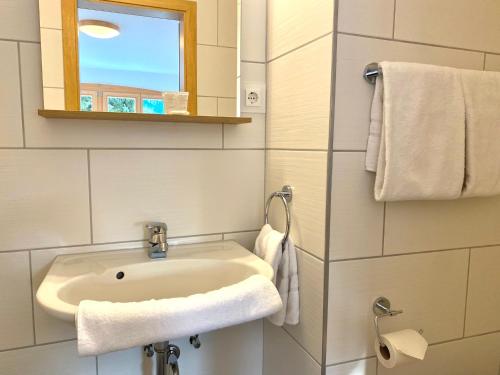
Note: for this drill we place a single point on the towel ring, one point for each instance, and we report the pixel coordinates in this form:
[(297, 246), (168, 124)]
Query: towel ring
[(286, 196)]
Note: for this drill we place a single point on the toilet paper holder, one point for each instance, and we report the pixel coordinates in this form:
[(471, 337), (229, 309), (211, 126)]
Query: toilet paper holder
[(382, 308)]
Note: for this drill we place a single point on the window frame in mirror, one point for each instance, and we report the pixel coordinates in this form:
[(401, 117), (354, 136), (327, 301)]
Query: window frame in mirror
[(188, 40)]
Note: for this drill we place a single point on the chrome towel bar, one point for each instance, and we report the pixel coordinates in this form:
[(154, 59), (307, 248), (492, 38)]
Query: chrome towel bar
[(286, 197), (371, 72)]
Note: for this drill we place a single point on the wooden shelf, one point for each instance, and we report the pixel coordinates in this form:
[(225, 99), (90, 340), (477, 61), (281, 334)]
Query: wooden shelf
[(113, 116)]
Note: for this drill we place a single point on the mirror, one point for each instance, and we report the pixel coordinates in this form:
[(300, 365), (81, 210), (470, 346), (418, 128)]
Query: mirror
[(140, 56)]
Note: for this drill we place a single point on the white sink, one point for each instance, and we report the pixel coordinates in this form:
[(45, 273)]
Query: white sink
[(131, 276)]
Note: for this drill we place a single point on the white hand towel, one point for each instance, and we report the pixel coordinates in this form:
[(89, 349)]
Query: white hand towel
[(422, 137), (376, 118), (482, 133), (106, 326), (268, 246)]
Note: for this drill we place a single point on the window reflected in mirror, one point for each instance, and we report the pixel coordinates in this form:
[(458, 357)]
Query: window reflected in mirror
[(128, 56)]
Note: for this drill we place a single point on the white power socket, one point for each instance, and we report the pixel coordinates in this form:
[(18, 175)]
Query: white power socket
[(253, 97)]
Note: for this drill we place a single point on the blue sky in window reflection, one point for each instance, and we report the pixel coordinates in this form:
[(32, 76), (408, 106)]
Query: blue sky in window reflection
[(144, 55)]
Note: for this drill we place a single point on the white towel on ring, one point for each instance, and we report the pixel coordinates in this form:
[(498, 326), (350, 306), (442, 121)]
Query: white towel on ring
[(268, 246)]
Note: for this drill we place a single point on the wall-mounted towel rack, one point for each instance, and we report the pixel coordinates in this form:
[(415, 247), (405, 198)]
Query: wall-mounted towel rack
[(371, 72), (285, 194)]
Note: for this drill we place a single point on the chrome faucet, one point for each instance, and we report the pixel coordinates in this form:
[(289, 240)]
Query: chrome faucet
[(158, 240)]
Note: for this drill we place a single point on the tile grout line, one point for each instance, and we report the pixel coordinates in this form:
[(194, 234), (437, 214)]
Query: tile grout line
[(137, 149), (300, 46), (466, 292), (36, 345), (416, 43), (394, 19), (90, 198), (21, 92), (32, 299), (484, 61), (19, 41), (299, 344), (383, 227)]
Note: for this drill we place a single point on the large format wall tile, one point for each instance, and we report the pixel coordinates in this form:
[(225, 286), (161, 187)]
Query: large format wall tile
[(298, 102), (227, 23), (16, 323), (234, 350), (454, 23), (52, 58), (11, 127), (357, 222), (292, 23), (44, 198), (253, 30), (369, 17), (492, 62), (363, 367), (220, 81), (305, 171), (41, 132), (433, 225), (60, 359), (430, 288), (246, 135), (19, 20), (309, 332), (483, 298), (354, 94), (471, 356), (283, 356), (207, 22), (192, 191)]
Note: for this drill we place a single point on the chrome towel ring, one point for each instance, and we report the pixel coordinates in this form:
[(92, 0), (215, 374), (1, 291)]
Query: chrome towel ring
[(286, 197)]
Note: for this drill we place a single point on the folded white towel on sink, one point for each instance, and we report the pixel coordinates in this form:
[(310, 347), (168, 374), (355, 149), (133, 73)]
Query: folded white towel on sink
[(110, 326), (268, 246)]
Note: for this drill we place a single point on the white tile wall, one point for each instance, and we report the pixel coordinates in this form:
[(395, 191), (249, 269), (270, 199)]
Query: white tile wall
[(492, 62), (16, 322), (363, 367), (282, 355), (44, 198), (453, 23), (306, 172), (130, 188), (415, 283), (52, 58), (298, 114), (19, 20), (370, 17), (246, 135), (207, 22), (207, 106), (227, 23), (245, 239), (60, 359), (222, 80), (309, 331), (357, 221), (11, 132), (253, 30), (471, 356), (226, 107), (50, 14), (353, 93), (292, 23), (432, 225), (483, 298)]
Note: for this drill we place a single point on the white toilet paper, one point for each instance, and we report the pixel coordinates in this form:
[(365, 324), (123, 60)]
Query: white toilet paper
[(401, 347)]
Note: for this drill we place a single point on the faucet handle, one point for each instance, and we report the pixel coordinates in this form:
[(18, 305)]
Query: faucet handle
[(157, 227)]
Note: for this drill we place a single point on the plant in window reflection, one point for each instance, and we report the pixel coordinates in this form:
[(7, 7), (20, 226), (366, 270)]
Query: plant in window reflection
[(117, 104), (86, 103)]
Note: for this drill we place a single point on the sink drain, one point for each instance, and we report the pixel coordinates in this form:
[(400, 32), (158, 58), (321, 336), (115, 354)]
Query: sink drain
[(120, 275)]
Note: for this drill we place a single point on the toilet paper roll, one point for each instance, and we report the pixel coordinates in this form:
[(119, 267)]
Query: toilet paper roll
[(401, 347)]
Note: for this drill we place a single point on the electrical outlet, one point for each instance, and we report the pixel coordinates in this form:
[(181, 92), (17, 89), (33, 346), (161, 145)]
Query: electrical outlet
[(253, 97)]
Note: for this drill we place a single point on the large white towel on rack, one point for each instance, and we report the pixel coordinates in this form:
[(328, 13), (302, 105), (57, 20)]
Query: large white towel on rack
[(482, 112), (419, 116), (104, 327), (268, 246)]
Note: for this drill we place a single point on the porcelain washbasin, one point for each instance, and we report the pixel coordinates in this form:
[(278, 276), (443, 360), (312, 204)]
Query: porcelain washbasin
[(131, 276)]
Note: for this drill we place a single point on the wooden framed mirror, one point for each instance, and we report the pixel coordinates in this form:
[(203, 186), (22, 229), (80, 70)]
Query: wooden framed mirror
[(108, 72)]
